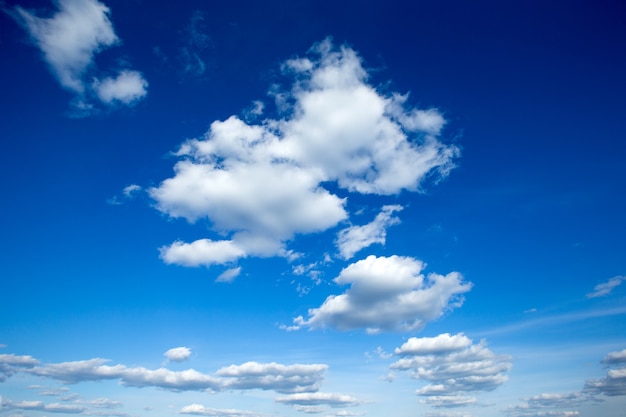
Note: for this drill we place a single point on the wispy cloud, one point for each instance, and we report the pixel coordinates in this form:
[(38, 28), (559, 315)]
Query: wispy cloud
[(69, 40), (355, 238), (606, 288)]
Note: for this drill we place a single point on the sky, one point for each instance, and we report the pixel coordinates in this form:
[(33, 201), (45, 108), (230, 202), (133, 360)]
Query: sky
[(313, 208)]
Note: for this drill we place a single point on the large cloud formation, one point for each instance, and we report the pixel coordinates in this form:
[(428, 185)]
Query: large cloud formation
[(386, 294), (69, 40), (262, 184)]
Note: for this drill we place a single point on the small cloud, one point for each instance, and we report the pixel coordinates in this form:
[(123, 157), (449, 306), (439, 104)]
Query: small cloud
[(229, 275), (127, 88), (530, 310), (69, 41), (178, 354), (605, 288)]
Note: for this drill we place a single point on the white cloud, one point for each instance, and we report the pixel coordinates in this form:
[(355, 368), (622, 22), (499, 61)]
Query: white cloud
[(201, 252), (229, 275), (10, 364), (548, 404), (69, 39), (355, 238), (200, 410), (274, 376), (319, 398), (41, 406), (613, 384), (262, 184), (605, 288), (453, 367), (444, 343), (614, 358), (128, 87), (178, 354), (385, 294)]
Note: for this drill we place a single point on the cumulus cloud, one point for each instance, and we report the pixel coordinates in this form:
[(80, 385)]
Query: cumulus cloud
[(614, 383), (178, 354), (127, 88), (250, 375), (262, 184), (319, 398), (614, 358), (10, 364), (201, 252), (386, 294), (605, 288), (274, 376), (355, 238), (69, 39), (453, 367)]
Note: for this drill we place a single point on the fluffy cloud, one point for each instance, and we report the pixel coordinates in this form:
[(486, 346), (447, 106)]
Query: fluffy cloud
[(319, 398), (250, 375), (178, 354), (10, 364), (385, 294), (201, 252), (614, 358), (200, 410), (605, 288), (69, 40), (274, 376), (127, 88), (453, 366), (614, 383), (355, 238), (262, 184)]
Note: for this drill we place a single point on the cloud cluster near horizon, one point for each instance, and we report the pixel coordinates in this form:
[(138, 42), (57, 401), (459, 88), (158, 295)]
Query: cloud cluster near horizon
[(260, 185), (69, 41)]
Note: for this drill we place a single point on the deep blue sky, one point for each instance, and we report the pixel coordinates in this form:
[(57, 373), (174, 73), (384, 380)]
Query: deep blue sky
[(532, 214)]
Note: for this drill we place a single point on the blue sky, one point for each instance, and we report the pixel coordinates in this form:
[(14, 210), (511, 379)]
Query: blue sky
[(308, 208)]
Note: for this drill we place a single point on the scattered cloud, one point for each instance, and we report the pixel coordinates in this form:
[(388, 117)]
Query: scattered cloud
[(200, 410), (453, 366), (196, 42), (262, 184), (614, 358), (178, 354), (10, 364), (605, 288), (548, 405), (355, 238), (274, 376), (285, 379), (127, 88), (69, 40), (229, 275), (614, 383), (319, 398), (387, 294), (41, 406)]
